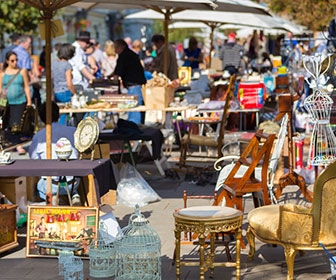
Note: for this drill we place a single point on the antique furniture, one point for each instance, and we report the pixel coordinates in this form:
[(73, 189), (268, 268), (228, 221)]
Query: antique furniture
[(297, 228), (138, 251), (100, 173), (8, 232), (234, 186), (216, 141), (204, 220), (192, 238), (271, 170), (86, 136), (291, 178)]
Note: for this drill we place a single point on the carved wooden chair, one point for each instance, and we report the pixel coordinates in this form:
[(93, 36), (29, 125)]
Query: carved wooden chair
[(297, 228), (207, 141), (242, 177), (272, 167)]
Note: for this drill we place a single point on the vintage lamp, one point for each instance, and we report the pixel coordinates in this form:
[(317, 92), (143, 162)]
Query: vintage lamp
[(138, 252), (102, 255)]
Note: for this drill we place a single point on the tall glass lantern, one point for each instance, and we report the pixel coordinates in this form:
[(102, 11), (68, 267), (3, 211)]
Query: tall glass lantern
[(102, 255), (138, 252)]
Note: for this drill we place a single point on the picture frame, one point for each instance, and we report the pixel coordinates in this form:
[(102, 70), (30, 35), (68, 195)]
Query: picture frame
[(184, 73), (51, 229)]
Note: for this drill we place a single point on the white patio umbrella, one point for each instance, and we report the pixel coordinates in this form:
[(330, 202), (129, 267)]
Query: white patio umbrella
[(167, 8), (215, 19)]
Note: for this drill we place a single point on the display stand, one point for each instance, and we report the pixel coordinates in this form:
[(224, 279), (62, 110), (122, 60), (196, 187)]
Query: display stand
[(291, 178)]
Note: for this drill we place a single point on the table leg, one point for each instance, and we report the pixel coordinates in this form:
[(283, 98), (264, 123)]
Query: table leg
[(178, 253), (91, 195), (238, 238), (212, 249), (201, 240)]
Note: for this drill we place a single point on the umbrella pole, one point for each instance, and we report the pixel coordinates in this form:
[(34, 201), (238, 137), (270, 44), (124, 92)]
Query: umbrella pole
[(212, 26), (165, 28), (48, 16)]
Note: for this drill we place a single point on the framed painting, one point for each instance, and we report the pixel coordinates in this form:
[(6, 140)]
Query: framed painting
[(51, 229)]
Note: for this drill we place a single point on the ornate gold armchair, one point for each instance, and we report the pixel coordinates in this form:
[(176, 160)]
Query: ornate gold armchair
[(297, 228)]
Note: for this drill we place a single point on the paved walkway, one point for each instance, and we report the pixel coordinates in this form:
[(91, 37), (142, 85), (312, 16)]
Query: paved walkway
[(269, 262)]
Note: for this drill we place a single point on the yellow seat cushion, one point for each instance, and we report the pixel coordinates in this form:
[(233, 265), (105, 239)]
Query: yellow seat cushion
[(265, 221), (209, 212), (200, 140)]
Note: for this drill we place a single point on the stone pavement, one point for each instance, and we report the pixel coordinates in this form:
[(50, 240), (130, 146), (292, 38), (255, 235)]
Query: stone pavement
[(269, 261)]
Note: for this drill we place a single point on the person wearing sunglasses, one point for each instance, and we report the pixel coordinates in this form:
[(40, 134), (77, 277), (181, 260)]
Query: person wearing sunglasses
[(14, 84)]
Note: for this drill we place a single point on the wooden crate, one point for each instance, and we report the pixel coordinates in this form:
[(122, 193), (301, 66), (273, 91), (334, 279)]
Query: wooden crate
[(109, 198), (14, 188), (105, 150), (8, 231)]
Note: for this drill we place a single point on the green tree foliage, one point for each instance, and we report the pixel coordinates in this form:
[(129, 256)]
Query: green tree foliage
[(18, 17), (175, 35), (315, 14)]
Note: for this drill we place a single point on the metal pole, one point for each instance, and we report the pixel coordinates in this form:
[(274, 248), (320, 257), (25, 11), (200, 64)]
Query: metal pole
[(165, 28), (212, 26), (48, 16)]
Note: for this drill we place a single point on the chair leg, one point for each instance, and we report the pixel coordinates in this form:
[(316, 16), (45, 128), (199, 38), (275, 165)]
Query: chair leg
[(290, 254), (251, 241)]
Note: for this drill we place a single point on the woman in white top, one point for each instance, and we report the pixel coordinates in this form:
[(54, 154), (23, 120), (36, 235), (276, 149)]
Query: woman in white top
[(110, 61)]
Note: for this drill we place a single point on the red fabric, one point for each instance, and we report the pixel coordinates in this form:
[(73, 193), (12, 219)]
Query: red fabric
[(251, 95)]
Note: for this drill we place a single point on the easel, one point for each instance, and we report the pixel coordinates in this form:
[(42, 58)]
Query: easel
[(291, 178)]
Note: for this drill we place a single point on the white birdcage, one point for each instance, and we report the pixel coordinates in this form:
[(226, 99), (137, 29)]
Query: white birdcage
[(102, 255), (63, 257), (73, 269), (319, 105), (138, 252)]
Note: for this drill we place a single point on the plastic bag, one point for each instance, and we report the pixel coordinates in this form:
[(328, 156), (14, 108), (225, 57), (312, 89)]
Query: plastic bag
[(133, 189)]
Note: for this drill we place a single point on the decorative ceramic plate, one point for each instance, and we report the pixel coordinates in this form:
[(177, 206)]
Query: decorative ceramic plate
[(86, 134)]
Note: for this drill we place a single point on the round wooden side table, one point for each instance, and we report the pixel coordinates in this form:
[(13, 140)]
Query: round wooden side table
[(207, 221)]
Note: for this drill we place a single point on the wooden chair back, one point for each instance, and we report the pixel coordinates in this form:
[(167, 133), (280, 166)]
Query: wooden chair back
[(229, 95), (259, 149)]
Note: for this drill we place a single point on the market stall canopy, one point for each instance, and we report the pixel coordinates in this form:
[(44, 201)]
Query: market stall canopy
[(243, 6), (218, 17)]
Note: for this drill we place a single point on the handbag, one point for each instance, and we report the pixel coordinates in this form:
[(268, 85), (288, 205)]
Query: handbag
[(3, 97), (27, 120)]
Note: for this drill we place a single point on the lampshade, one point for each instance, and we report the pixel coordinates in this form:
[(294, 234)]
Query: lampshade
[(50, 219), (61, 218), (74, 217)]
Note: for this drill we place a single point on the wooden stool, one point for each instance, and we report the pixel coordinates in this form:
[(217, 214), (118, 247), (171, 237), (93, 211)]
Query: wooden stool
[(205, 220)]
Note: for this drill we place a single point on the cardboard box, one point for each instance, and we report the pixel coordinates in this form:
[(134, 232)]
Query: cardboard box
[(8, 231), (14, 188), (110, 198), (158, 97), (105, 150)]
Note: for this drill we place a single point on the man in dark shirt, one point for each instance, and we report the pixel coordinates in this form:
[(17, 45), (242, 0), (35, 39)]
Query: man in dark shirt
[(132, 74)]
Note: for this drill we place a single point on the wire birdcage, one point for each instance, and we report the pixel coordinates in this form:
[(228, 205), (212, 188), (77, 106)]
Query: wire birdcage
[(73, 269), (102, 255), (138, 251), (63, 257)]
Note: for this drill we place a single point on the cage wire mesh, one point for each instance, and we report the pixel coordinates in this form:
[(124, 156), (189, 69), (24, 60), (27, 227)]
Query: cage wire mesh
[(73, 269), (63, 257), (319, 105), (138, 252), (102, 255)]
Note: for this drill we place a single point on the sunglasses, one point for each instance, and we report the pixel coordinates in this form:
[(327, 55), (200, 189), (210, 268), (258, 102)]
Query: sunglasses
[(13, 60)]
